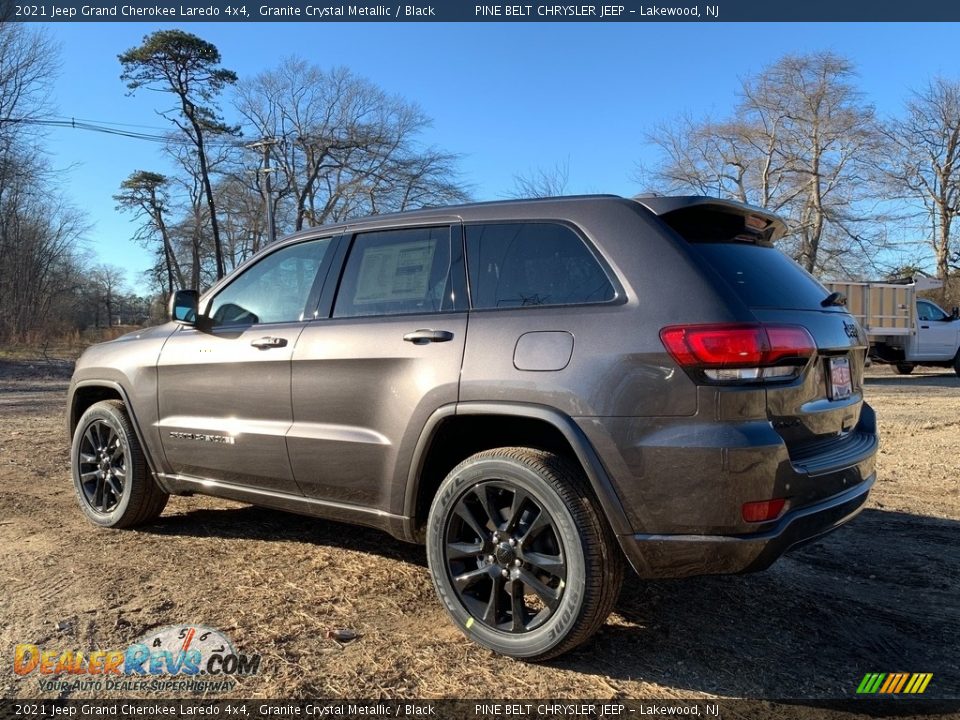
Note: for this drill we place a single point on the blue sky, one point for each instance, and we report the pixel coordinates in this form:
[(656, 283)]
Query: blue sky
[(509, 97)]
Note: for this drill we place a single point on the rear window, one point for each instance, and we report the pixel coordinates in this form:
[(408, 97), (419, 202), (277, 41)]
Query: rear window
[(528, 264), (763, 277)]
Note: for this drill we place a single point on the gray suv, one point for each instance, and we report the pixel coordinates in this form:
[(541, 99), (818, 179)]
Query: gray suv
[(540, 391)]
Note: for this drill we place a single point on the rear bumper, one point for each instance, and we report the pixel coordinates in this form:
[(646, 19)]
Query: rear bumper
[(672, 556)]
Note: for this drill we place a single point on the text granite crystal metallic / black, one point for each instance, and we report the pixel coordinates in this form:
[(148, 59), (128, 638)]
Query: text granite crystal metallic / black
[(543, 392)]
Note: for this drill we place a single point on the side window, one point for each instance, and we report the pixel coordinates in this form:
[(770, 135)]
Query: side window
[(273, 290), (396, 272), (929, 311), (527, 264)]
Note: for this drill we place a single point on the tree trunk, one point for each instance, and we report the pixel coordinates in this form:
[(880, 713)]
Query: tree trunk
[(190, 111)]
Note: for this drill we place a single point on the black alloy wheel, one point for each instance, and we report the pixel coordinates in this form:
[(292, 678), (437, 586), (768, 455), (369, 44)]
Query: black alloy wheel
[(520, 553), (505, 557), (113, 484), (102, 464)]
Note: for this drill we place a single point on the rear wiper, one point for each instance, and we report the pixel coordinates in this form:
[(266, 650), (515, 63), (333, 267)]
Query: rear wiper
[(834, 298)]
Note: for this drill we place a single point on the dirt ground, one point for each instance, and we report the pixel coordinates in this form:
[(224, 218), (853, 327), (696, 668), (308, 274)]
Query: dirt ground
[(881, 595)]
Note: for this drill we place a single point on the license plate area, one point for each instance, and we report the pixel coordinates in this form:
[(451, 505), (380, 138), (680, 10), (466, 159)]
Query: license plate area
[(839, 380)]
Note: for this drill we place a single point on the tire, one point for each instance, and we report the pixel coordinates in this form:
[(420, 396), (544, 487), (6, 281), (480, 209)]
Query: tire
[(956, 364), (543, 574), (113, 484), (904, 368)]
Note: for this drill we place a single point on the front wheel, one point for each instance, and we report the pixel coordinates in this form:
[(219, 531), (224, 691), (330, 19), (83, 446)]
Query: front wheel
[(956, 363), (110, 474), (904, 368), (521, 557)]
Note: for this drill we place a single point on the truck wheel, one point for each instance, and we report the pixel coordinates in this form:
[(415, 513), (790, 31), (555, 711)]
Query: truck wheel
[(521, 557), (110, 475), (904, 368)]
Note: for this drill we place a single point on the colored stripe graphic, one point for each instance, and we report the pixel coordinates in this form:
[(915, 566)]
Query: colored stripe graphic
[(894, 683), (903, 679), (875, 685), (862, 688), (892, 680)]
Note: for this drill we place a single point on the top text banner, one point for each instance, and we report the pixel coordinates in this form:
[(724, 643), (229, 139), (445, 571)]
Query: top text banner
[(319, 11)]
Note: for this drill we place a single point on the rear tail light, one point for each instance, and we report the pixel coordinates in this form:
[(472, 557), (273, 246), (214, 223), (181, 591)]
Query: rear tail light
[(741, 352), (763, 510)]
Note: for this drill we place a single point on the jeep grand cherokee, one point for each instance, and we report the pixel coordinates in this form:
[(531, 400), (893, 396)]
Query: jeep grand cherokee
[(540, 391)]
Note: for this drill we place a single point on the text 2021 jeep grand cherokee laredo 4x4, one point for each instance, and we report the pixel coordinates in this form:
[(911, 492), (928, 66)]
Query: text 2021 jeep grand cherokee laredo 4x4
[(536, 389)]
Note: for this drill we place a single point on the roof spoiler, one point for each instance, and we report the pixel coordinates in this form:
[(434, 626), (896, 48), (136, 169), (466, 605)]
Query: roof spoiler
[(764, 224)]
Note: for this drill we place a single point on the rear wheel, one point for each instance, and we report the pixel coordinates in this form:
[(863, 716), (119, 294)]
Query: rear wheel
[(110, 475), (905, 368), (956, 364), (521, 557)]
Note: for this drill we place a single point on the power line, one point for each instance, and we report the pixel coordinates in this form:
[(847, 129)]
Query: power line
[(107, 122), (97, 126)]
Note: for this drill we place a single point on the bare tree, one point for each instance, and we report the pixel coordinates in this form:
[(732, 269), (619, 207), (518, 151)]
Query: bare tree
[(192, 232), (732, 159), (39, 231), (244, 227), (342, 146), (180, 63), (28, 63), (800, 141), (110, 284), (923, 165), (542, 182)]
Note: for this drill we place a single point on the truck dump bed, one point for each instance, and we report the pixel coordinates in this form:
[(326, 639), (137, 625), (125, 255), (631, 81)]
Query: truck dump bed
[(881, 308)]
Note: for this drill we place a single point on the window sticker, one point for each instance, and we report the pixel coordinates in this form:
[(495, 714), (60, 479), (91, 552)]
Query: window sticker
[(395, 272)]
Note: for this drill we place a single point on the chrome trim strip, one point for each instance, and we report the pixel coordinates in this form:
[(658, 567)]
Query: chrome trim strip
[(236, 427)]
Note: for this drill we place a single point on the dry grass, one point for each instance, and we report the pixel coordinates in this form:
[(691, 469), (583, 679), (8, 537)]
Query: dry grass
[(40, 348)]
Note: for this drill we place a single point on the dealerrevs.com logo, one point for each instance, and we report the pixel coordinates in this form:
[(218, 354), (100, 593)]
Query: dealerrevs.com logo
[(180, 658)]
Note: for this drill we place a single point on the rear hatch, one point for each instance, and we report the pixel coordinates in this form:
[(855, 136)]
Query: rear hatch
[(816, 413)]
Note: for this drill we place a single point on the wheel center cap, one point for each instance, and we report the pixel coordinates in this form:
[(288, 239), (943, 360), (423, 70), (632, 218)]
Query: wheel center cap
[(505, 554)]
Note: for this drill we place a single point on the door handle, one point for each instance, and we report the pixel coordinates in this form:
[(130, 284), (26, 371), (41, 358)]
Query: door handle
[(422, 337), (924, 327), (265, 343)]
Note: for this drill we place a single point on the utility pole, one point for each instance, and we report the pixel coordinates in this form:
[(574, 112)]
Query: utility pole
[(265, 146)]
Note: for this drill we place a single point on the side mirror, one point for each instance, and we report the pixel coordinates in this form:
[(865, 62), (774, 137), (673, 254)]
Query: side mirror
[(183, 306), (955, 315)]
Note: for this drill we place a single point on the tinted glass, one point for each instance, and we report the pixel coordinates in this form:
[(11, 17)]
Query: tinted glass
[(528, 264), (763, 277), (273, 290), (396, 272)]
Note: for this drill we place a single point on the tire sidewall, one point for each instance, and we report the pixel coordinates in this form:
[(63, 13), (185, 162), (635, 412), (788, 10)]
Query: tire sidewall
[(564, 620), (105, 413)]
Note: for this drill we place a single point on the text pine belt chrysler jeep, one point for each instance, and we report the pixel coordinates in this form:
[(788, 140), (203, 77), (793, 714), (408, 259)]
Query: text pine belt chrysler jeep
[(541, 391)]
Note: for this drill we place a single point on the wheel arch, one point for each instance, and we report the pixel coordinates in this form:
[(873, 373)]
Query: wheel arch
[(87, 393), (477, 426)]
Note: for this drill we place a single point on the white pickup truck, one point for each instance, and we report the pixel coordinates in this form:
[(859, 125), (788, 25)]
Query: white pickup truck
[(905, 330)]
